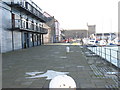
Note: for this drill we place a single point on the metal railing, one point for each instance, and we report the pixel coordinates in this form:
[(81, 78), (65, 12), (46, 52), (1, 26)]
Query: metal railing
[(28, 26), (111, 55), (29, 8), (44, 31)]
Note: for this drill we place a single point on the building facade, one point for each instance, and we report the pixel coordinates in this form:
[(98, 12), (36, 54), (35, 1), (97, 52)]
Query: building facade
[(54, 30), (50, 26), (21, 25), (75, 33), (57, 36), (118, 33), (91, 30)]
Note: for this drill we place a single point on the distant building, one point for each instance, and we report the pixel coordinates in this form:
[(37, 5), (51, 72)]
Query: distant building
[(75, 33), (103, 36), (49, 36), (55, 28), (57, 37), (91, 29), (80, 33)]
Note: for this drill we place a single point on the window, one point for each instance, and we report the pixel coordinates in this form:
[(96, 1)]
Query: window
[(16, 20), (31, 39), (37, 12), (34, 10), (23, 23), (36, 27), (35, 38), (24, 3), (29, 25), (29, 7), (17, 16), (38, 37)]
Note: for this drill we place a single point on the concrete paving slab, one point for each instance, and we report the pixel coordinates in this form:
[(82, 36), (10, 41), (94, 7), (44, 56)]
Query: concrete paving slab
[(49, 57)]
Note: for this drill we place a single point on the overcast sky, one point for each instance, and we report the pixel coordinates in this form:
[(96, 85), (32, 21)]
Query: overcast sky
[(75, 14)]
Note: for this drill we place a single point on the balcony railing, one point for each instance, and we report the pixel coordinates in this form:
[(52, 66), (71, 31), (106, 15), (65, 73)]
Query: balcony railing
[(44, 31), (23, 25), (29, 9)]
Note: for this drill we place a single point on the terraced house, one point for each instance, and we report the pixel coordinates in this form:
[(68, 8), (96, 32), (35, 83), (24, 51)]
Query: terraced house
[(21, 25)]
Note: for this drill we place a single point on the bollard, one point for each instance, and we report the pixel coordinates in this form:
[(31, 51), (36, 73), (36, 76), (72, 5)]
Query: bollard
[(67, 49), (62, 81)]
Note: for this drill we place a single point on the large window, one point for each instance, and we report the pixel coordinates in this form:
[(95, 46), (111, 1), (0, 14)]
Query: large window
[(23, 23), (16, 20), (17, 16), (34, 10), (37, 12), (38, 37), (35, 37), (29, 7), (29, 24), (31, 38), (32, 26), (37, 27)]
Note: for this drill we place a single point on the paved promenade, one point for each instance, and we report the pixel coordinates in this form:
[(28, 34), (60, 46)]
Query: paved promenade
[(88, 72)]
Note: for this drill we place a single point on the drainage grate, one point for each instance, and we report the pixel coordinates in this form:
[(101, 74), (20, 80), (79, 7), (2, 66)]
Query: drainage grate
[(96, 71), (112, 86)]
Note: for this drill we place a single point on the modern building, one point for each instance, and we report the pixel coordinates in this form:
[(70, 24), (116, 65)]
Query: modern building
[(21, 25)]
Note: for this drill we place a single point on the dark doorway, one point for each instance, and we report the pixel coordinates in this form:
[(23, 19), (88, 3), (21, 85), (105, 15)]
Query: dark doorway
[(26, 40)]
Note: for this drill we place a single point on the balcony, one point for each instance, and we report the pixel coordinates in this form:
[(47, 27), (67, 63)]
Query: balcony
[(44, 31), (22, 25), (28, 9)]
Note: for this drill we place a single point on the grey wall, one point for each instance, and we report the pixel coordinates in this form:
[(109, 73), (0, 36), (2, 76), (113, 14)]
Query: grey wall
[(9, 41), (17, 40), (6, 41), (6, 34), (0, 26), (119, 25), (0, 48), (75, 33), (91, 29)]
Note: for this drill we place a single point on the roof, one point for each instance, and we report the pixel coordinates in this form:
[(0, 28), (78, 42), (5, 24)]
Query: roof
[(106, 34), (75, 29)]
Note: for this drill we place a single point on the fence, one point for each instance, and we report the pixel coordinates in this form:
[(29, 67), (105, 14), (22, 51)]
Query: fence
[(109, 54)]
